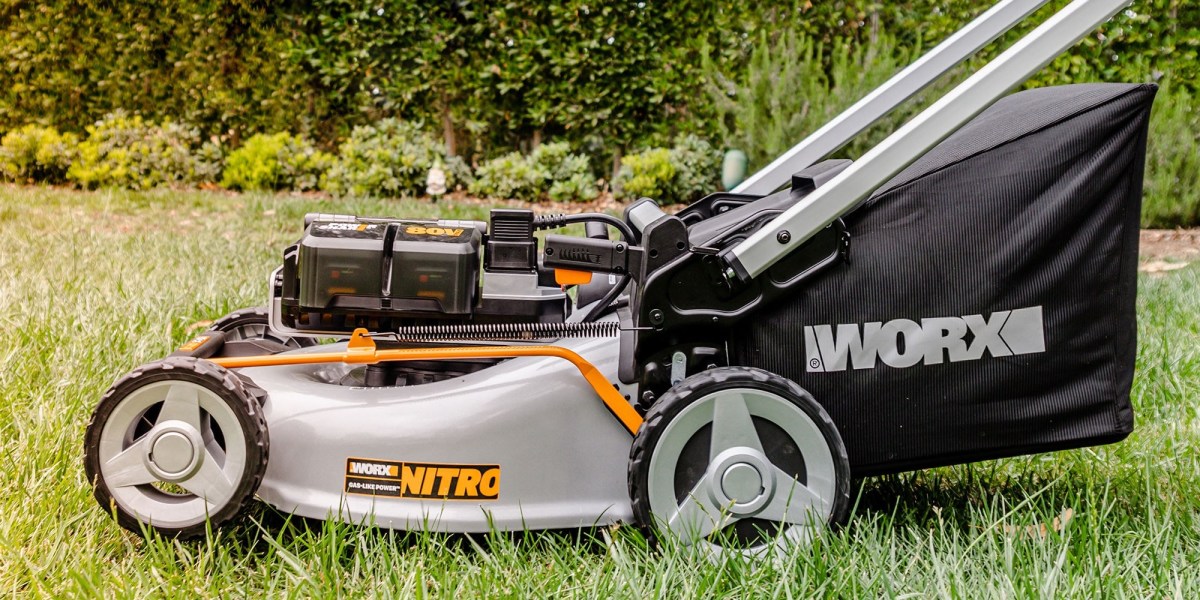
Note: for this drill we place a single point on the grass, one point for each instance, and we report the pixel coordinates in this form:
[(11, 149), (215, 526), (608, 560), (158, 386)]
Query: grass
[(95, 283), (1172, 189)]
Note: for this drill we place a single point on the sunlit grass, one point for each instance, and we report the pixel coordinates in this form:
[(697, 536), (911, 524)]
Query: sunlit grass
[(96, 283)]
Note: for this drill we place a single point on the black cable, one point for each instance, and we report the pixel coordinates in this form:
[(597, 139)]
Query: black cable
[(555, 221), (603, 304)]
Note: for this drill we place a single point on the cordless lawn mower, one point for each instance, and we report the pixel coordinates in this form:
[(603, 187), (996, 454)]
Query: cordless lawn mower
[(716, 375)]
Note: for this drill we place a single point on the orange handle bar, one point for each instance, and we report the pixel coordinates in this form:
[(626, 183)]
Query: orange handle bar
[(361, 350)]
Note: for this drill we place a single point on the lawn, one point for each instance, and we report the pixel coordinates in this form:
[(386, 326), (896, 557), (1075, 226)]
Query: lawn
[(96, 283)]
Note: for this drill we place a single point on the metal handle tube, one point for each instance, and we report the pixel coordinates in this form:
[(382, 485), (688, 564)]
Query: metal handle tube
[(761, 250), (874, 106)]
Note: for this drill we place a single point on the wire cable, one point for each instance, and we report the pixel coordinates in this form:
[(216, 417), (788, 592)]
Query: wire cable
[(555, 221)]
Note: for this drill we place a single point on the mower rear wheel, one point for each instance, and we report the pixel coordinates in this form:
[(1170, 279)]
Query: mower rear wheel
[(736, 459), (174, 444), (254, 323)]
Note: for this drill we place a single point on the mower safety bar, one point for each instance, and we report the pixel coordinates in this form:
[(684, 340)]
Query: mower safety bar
[(845, 191), (361, 350)]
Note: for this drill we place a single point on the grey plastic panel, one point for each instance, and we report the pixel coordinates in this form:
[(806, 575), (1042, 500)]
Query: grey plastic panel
[(562, 455)]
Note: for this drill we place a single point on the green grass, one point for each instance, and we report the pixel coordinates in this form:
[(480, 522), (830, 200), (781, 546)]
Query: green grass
[(1172, 187), (96, 283)]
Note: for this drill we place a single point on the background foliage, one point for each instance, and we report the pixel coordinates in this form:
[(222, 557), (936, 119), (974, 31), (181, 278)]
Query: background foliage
[(130, 152), (274, 162), (491, 77), (482, 85), (35, 153), (550, 171)]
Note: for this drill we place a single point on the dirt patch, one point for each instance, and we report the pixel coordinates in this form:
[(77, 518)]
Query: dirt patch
[(1170, 245), (1165, 250), (1181, 244)]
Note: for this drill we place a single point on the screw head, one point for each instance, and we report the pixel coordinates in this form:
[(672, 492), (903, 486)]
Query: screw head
[(549, 251), (647, 400), (656, 316), (784, 236)]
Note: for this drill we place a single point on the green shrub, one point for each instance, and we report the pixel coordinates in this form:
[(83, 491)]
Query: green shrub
[(37, 154), (697, 169), (569, 175), (645, 174), (272, 162), (1172, 186), (512, 176), (578, 187), (127, 151), (684, 173), (550, 171), (256, 165), (390, 158)]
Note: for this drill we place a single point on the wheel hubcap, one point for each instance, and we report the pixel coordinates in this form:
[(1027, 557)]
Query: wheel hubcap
[(741, 480), (172, 451), (742, 483)]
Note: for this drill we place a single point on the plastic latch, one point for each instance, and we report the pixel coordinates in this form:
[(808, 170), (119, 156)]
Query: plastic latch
[(572, 277)]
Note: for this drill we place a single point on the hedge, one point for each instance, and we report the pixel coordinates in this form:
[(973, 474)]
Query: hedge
[(488, 77), (638, 96)]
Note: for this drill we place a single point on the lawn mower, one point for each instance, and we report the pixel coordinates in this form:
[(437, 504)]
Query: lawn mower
[(964, 291)]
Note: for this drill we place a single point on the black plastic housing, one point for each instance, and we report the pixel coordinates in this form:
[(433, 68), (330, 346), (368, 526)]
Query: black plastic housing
[(511, 245)]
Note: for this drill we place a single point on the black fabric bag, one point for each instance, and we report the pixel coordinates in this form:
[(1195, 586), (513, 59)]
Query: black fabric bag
[(988, 306)]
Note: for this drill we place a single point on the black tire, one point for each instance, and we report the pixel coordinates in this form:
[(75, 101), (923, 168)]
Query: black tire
[(233, 391), (703, 385), (254, 323)]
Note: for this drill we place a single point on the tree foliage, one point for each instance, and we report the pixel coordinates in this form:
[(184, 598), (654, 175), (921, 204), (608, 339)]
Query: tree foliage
[(489, 77)]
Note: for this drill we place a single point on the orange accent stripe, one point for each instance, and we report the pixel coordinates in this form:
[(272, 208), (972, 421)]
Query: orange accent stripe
[(361, 350)]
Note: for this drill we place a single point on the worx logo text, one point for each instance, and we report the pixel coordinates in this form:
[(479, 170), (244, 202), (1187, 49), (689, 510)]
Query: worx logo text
[(904, 343)]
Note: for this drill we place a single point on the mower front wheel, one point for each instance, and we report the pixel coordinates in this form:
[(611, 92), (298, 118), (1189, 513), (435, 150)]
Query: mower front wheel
[(174, 444)]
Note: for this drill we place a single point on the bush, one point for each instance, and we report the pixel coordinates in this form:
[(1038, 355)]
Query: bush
[(697, 169), (645, 174), (569, 175), (550, 171), (1172, 187), (391, 158), (510, 176), (684, 173), (786, 91), (127, 151), (272, 162), (34, 153)]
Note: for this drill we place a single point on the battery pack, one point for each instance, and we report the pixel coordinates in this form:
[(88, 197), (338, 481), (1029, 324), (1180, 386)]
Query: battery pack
[(377, 266)]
